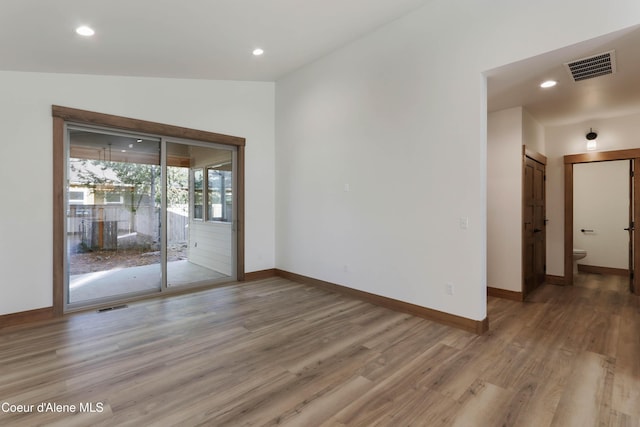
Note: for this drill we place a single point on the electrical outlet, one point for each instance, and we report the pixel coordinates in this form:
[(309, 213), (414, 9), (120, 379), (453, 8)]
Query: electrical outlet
[(448, 289)]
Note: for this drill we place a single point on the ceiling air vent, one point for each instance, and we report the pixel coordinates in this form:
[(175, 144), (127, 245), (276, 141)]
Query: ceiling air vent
[(593, 66)]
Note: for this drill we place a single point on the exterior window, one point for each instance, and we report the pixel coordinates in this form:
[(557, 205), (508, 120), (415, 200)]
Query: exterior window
[(76, 197), (219, 195), (113, 198), (198, 193)]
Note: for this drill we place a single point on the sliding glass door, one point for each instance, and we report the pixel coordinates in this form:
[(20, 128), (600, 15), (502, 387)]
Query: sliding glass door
[(145, 215), (113, 212), (200, 200)]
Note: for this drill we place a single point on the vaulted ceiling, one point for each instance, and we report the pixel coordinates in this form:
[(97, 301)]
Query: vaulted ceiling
[(202, 39), (213, 39)]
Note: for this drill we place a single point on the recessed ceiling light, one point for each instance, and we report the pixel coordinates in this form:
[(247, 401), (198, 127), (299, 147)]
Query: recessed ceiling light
[(258, 52), (548, 83), (85, 31)]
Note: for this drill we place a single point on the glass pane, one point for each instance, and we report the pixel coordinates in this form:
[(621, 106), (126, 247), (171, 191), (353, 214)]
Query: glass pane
[(113, 234), (219, 195), (199, 251), (178, 209), (198, 181)]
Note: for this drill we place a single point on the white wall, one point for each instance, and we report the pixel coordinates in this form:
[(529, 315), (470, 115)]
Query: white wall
[(504, 199), (507, 131), (237, 108), (601, 204), (532, 133), (616, 133), (210, 245), (400, 116)]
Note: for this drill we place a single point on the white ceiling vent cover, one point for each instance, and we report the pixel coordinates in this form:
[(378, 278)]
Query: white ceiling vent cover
[(592, 66)]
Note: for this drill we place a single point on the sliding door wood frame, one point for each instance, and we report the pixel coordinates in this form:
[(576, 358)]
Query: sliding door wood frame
[(603, 156), (61, 115)]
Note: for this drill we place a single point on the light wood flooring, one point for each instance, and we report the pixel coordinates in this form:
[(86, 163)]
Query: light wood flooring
[(276, 352)]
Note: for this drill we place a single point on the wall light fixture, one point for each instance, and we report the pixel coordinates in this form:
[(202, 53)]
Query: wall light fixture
[(591, 140)]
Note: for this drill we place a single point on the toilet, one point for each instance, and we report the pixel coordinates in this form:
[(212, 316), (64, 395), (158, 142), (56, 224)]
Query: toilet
[(577, 254)]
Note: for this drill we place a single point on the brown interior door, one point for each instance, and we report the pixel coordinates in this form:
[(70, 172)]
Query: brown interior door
[(534, 234), (631, 226)]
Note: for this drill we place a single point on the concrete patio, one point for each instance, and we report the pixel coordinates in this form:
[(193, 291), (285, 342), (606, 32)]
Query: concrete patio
[(136, 280)]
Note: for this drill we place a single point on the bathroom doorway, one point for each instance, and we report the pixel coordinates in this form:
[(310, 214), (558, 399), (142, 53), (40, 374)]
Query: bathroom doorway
[(601, 201), (632, 159)]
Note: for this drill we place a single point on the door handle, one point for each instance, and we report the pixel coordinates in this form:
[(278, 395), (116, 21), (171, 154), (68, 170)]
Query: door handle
[(629, 229), (536, 230)]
